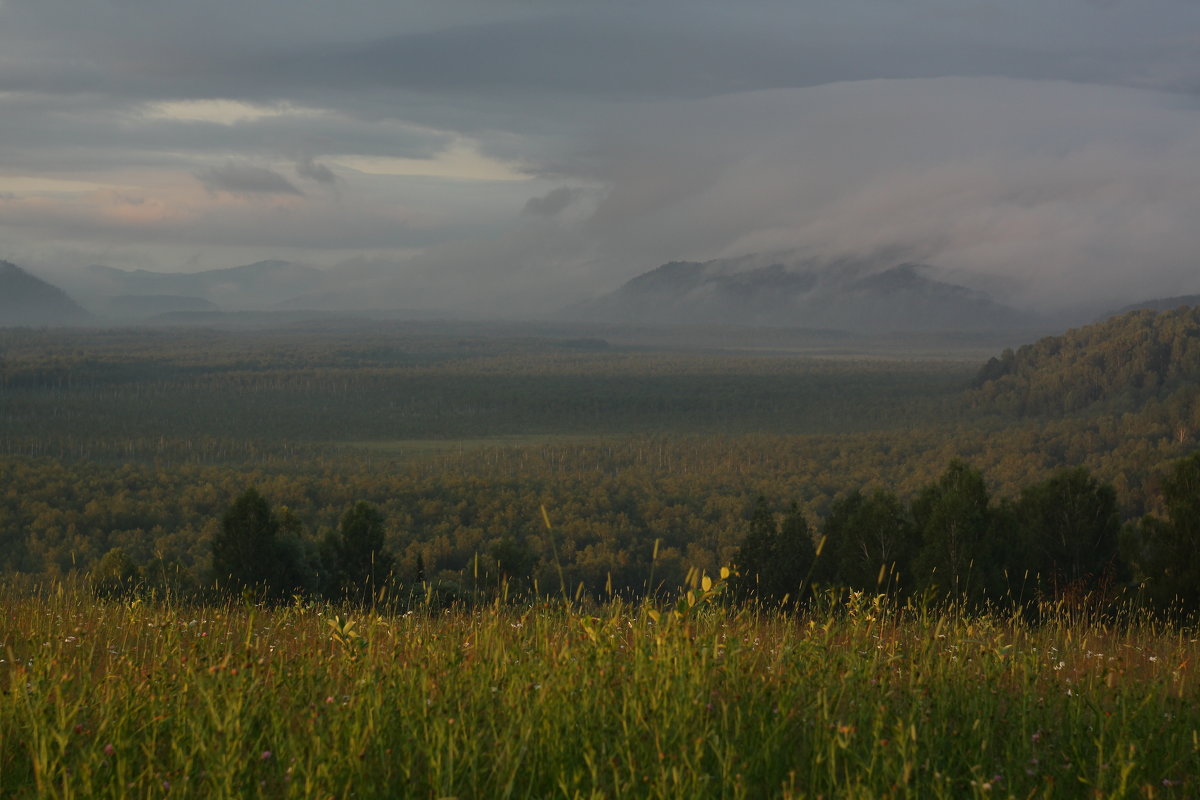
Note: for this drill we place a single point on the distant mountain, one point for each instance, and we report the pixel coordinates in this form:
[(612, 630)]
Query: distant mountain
[(27, 300), (1158, 304), (253, 286), (781, 291)]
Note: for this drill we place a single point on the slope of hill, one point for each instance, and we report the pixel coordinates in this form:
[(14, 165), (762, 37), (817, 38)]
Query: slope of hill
[(782, 291), (1157, 304), (27, 300), (1120, 364)]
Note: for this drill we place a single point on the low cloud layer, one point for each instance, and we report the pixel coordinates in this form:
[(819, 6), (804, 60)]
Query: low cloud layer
[(1050, 195), (1063, 187), (519, 154)]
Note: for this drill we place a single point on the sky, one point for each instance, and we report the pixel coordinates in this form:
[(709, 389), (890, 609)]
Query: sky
[(517, 155)]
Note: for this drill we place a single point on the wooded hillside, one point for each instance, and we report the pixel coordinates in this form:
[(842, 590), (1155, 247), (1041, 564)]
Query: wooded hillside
[(1121, 364)]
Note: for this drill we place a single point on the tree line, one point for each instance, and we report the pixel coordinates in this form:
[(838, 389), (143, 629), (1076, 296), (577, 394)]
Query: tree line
[(1061, 538), (261, 552)]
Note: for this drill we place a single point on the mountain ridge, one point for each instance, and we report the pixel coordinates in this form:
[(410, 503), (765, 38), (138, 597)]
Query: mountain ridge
[(779, 290), (26, 300)]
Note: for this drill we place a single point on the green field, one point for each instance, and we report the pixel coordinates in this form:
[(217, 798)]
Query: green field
[(860, 699)]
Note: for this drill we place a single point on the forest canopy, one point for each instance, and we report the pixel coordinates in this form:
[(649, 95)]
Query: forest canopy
[(1117, 365), (432, 454)]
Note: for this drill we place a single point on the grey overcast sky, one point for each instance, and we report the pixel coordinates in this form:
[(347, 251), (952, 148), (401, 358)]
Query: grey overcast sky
[(500, 153)]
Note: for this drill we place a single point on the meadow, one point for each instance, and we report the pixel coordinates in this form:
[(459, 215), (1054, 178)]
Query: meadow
[(854, 698)]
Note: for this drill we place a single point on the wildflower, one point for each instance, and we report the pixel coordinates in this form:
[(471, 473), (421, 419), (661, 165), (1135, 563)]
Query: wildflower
[(109, 749), (266, 755)]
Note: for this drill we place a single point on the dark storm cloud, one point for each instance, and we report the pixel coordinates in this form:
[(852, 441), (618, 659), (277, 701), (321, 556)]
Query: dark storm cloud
[(602, 50), (1049, 141), (246, 179)]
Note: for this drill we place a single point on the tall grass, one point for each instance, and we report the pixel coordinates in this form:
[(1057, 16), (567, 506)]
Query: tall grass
[(859, 699)]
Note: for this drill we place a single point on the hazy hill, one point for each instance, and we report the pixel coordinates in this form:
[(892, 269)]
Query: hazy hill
[(778, 291), (27, 300), (1122, 363), (260, 285), (1158, 304), (152, 305)]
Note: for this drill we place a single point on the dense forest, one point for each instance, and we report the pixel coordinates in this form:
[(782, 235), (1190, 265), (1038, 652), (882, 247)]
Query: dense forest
[(1119, 365), (123, 452)]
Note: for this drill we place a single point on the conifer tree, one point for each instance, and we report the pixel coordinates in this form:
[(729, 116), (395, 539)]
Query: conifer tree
[(774, 562), (955, 522), (355, 560), (1170, 549), (869, 543), (245, 552), (1070, 524)]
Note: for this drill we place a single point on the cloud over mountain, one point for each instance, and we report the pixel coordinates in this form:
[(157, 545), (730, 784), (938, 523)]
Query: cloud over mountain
[(783, 290), (516, 152)]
